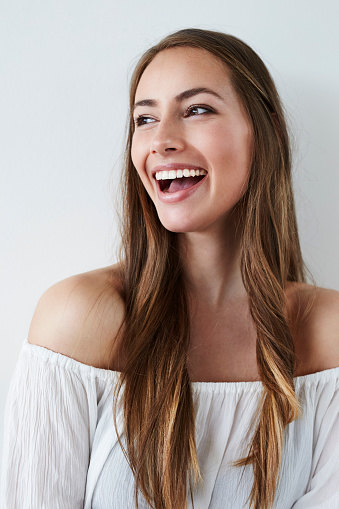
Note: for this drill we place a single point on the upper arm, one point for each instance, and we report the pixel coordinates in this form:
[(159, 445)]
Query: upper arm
[(317, 337), (80, 317), (49, 421), (322, 491)]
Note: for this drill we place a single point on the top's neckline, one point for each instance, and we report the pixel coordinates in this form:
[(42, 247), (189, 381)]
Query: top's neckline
[(108, 374)]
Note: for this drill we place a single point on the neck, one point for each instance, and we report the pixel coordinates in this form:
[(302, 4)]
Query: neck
[(211, 261)]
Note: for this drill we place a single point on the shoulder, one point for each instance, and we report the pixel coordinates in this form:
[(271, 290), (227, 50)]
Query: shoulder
[(80, 317), (314, 313)]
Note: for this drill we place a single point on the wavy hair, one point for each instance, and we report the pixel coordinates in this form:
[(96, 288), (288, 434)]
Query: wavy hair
[(159, 424)]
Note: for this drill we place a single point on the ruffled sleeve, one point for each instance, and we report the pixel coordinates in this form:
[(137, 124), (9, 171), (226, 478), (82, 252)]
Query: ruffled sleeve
[(322, 491), (50, 420)]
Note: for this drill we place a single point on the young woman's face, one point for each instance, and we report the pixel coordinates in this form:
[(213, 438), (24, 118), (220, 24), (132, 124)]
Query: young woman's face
[(188, 117)]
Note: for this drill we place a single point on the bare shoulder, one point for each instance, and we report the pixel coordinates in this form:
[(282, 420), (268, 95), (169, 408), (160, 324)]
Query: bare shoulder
[(315, 326), (80, 317)]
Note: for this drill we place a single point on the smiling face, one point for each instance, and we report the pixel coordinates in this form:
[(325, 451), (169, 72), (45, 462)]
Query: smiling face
[(188, 117)]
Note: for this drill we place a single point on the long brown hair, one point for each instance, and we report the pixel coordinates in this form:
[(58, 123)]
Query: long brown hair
[(159, 423)]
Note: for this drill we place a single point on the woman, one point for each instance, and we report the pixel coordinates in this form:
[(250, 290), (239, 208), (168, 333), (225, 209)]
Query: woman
[(227, 395)]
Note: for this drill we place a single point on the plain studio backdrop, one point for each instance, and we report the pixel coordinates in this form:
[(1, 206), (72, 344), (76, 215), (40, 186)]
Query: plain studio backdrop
[(65, 67)]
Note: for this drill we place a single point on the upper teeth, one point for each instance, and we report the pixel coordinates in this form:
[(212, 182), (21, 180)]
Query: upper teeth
[(177, 174)]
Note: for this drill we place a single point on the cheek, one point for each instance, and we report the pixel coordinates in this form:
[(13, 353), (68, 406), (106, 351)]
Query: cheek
[(139, 150), (232, 148), (138, 157), (134, 153)]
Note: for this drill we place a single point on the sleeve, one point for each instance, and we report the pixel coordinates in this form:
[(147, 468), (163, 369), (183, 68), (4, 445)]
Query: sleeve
[(323, 487), (47, 435)]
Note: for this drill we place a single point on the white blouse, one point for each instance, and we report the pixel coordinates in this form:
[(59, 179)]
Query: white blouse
[(61, 449)]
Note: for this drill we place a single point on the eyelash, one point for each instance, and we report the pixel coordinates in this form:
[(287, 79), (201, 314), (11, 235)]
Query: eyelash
[(140, 118)]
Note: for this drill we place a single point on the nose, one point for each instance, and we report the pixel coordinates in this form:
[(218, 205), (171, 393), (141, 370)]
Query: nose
[(167, 138)]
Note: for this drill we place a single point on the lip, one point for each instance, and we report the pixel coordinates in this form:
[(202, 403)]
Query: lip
[(179, 195)]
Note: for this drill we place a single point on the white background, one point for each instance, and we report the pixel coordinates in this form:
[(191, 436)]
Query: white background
[(63, 103)]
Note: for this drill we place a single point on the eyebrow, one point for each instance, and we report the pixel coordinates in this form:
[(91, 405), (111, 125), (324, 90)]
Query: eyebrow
[(180, 97)]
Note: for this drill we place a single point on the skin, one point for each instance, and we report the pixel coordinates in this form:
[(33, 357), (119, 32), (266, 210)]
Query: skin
[(220, 142)]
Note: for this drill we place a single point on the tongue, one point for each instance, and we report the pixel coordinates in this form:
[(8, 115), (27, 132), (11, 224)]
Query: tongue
[(183, 183)]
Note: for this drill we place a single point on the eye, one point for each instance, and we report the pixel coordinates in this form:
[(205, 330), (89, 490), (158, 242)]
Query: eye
[(198, 109), (143, 120)]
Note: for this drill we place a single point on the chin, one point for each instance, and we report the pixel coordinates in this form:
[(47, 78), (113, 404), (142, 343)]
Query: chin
[(179, 226)]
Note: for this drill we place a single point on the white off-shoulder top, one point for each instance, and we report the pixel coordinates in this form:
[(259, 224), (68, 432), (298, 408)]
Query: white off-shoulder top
[(61, 449)]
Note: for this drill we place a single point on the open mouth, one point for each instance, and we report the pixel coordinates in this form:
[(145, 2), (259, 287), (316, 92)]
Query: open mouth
[(182, 180)]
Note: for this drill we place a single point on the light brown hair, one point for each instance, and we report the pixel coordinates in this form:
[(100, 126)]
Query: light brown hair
[(159, 424)]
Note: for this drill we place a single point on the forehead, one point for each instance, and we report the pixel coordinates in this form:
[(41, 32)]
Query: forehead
[(176, 69)]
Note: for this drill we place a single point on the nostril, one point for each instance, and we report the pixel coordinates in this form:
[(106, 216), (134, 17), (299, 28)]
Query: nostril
[(169, 149)]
